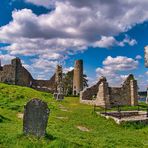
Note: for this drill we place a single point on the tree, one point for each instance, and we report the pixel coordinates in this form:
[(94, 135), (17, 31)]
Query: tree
[(68, 82)]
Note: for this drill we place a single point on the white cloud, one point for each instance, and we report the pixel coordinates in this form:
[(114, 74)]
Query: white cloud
[(138, 57), (41, 68), (44, 3), (71, 27), (120, 63), (113, 67), (5, 58), (110, 41), (67, 69)]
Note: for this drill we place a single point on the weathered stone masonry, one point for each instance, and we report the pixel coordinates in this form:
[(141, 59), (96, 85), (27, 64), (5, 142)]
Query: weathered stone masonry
[(103, 95), (78, 77), (16, 74)]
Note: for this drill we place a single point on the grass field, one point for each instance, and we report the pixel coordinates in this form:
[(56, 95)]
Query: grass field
[(70, 125)]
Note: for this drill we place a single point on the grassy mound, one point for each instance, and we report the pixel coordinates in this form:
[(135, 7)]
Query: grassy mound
[(70, 124)]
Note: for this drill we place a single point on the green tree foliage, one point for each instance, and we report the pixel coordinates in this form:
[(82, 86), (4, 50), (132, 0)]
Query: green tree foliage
[(68, 82)]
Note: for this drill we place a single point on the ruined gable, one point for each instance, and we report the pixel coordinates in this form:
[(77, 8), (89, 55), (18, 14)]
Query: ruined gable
[(16, 74), (107, 96)]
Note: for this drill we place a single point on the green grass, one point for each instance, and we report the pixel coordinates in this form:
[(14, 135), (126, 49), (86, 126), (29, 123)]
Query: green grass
[(63, 132)]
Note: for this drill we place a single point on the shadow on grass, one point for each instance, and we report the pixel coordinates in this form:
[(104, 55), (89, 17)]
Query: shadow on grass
[(49, 137), (46, 137), (135, 125), (2, 119)]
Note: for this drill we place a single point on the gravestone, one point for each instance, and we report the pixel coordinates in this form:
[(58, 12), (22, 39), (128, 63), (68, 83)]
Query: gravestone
[(35, 118)]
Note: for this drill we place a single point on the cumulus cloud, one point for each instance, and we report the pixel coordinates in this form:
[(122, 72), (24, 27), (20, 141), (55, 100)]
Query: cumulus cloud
[(44, 3), (138, 57), (41, 68), (106, 42), (71, 27), (67, 69), (5, 58), (114, 67)]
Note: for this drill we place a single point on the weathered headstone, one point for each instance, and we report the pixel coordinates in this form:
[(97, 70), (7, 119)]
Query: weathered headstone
[(35, 118)]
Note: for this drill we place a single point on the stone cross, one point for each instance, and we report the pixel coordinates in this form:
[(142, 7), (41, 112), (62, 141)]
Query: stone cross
[(35, 118)]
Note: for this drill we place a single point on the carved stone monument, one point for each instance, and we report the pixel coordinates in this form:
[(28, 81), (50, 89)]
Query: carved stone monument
[(35, 118)]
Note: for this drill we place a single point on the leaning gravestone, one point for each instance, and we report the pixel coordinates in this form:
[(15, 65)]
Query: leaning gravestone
[(35, 118)]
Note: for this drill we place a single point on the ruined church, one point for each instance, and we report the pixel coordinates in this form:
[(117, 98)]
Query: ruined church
[(16, 74), (101, 94)]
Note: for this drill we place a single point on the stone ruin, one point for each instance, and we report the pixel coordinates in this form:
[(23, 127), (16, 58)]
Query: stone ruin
[(16, 74), (35, 118), (59, 92), (78, 77), (103, 95)]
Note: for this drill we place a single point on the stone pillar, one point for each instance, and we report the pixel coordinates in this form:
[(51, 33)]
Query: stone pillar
[(134, 92), (103, 94), (16, 63), (59, 74), (59, 94), (146, 55), (78, 77)]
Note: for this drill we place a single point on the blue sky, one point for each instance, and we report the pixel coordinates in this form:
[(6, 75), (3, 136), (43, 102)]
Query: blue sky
[(109, 36)]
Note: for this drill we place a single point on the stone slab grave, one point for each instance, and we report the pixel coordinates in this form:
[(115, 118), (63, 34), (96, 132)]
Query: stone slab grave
[(35, 118), (126, 116)]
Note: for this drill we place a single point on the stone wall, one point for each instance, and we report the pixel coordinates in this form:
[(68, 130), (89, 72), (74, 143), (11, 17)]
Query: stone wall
[(44, 85), (89, 93), (16, 74), (78, 77), (7, 74), (107, 96)]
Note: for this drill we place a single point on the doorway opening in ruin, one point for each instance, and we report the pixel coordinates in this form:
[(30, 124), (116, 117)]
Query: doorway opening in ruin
[(75, 92)]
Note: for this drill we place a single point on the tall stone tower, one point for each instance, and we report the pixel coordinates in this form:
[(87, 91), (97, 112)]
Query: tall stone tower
[(59, 74), (78, 77), (59, 92), (16, 63)]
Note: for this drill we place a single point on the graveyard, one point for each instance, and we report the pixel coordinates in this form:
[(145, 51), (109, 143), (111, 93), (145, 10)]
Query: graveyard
[(73, 74), (70, 123)]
